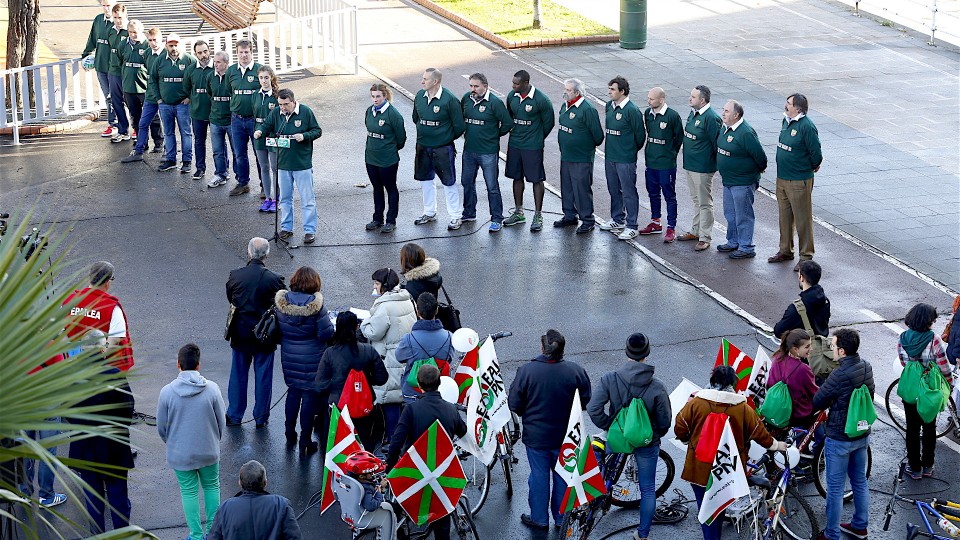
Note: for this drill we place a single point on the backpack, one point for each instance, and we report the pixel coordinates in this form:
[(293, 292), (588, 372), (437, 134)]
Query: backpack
[(710, 434), (777, 407), (934, 392), (631, 428), (356, 394), (442, 365), (861, 413), (821, 356), (909, 386)]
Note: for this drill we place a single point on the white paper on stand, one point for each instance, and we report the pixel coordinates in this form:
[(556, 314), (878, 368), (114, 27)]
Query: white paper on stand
[(361, 314)]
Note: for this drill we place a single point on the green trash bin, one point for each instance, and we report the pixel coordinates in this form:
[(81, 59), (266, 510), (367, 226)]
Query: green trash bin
[(633, 24)]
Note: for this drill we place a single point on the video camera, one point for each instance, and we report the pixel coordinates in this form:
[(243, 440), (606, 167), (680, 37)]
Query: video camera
[(30, 244)]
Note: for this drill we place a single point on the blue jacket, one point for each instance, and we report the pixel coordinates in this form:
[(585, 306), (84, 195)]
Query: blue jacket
[(542, 395), (305, 328), (834, 394), (427, 339)]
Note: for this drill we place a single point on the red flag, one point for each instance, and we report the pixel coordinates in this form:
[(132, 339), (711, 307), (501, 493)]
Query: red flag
[(730, 355), (341, 442), (428, 480), (465, 374)]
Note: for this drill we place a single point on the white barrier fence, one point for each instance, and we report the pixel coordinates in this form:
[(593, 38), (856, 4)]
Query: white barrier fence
[(309, 34)]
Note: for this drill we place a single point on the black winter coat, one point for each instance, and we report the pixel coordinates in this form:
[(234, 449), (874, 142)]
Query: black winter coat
[(619, 388), (818, 311), (103, 450), (337, 362), (417, 417), (251, 290), (255, 515), (305, 328), (424, 278), (542, 395), (834, 393)]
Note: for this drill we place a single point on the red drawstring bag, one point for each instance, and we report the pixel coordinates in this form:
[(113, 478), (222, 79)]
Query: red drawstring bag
[(356, 394), (710, 434)]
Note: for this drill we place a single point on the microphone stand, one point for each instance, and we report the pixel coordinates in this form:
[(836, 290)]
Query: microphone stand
[(280, 242)]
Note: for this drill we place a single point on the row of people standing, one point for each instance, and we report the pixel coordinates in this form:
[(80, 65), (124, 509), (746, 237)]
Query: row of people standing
[(710, 142)]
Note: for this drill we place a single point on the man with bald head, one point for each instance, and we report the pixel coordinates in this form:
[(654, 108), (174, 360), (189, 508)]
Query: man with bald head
[(664, 138), (255, 511), (740, 160), (251, 290)]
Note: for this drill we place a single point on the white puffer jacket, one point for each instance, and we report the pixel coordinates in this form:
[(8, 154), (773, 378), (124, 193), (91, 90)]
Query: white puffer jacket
[(391, 317)]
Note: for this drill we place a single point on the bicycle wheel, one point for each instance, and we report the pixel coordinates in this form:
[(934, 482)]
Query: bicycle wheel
[(797, 519), (576, 524), (478, 481), (625, 491), (894, 406), (820, 474), (463, 522)]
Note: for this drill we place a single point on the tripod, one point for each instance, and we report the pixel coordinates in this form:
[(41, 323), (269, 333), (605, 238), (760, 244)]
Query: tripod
[(279, 242)]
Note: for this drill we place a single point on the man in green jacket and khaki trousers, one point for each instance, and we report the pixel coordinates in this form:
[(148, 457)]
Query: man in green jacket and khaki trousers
[(798, 157)]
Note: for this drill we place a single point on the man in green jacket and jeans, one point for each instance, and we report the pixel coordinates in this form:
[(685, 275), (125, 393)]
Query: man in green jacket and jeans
[(740, 160), (98, 43), (292, 128)]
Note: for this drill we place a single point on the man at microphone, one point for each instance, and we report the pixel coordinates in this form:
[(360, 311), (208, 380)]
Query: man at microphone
[(292, 128)]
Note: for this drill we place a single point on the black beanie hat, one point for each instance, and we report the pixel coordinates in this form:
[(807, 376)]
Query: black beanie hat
[(638, 346)]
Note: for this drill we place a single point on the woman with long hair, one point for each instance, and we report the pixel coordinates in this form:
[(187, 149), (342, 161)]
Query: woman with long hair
[(422, 273), (264, 102), (789, 366), (386, 136)]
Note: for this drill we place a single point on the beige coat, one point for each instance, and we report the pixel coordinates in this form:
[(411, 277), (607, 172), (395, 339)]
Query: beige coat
[(391, 317)]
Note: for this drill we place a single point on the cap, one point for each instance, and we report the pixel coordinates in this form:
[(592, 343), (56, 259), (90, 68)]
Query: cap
[(173, 37), (638, 346)]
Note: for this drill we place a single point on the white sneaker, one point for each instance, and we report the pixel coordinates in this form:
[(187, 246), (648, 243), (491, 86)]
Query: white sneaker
[(612, 226), (217, 181), (627, 234), (454, 224), (120, 137)]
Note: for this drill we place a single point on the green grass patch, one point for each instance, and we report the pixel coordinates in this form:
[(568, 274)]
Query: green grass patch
[(513, 19)]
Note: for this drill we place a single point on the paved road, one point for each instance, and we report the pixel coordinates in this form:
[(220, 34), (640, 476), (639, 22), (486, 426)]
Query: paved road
[(174, 242)]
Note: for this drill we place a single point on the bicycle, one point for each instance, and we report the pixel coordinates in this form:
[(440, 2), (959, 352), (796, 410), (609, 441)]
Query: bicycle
[(945, 423), (945, 512), (461, 521), (774, 511), (621, 489)]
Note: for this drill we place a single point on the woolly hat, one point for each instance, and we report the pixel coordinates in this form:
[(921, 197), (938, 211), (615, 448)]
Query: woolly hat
[(638, 346)]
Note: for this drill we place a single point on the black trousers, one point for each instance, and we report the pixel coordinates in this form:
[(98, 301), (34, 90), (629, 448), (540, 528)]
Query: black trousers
[(921, 439), (384, 179), (135, 105)]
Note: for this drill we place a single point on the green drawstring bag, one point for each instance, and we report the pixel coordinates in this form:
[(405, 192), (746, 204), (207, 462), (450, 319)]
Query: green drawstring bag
[(777, 407), (934, 392), (861, 413), (909, 386), (412, 376), (631, 429)]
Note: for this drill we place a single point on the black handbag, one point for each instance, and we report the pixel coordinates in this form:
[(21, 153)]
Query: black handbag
[(268, 329), (447, 314)]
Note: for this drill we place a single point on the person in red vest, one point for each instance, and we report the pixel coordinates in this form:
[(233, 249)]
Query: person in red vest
[(98, 309)]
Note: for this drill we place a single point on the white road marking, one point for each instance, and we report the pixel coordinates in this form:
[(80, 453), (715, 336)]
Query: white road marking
[(896, 328)]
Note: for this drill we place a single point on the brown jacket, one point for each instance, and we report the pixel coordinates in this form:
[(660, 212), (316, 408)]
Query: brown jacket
[(744, 423)]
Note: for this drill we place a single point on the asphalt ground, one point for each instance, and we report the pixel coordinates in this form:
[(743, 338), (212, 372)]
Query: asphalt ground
[(174, 242)]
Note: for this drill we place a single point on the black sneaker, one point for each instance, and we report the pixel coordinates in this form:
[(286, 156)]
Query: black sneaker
[(199, 174), (388, 228), (157, 148), (585, 228), (240, 190), (134, 156), (373, 225), (167, 166), (185, 167)]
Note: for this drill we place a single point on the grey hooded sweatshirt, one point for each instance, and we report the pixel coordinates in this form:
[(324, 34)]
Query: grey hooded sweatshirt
[(191, 419), (618, 388)]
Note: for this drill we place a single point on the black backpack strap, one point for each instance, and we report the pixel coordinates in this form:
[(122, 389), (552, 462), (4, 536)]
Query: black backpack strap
[(445, 295)]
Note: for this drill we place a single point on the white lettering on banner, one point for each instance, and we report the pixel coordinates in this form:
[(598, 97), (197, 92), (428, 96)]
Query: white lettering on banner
[(91, 313), (566, 129), (487, 410), (723, 152), (430, 123), (785, 147), (757, 387), (475, 122), (523, 122), (613, 132), (656, 141), (375, 135), (689, 135)]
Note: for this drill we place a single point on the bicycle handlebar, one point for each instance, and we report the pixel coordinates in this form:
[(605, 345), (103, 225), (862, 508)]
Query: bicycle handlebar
[(500, 335)]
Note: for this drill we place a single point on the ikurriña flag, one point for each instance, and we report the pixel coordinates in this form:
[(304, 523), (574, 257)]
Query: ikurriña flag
[(730, 355), (577, 464), (341, 442)]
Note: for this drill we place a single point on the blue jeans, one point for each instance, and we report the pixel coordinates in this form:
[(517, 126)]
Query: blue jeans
[(647, 478), (241, 137), (662, 181), (540, 495), (846, 459), (180, 114), (470, 163), (267, 163), (44, 473), (303, 181), (147, 117), (200, 143), (624, 199), (115, 491), (218, 140), (715, 529), (263, 385), (116, 102), (104, 79), (738, 209)]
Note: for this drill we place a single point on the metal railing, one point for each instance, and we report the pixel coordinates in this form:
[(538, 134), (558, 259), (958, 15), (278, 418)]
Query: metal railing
[(308, 34)]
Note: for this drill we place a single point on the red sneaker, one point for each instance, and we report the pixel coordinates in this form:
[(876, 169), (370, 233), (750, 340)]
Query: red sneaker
[(856, 533), (652, 228), (109, 132), (670, 236)]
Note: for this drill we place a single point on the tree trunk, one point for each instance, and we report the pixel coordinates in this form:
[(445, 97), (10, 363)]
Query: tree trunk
[(22, 35), (536, 13)]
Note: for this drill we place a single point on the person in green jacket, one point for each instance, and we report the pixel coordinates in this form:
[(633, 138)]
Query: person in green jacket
[(98, 45), (292, 128), (115, 37), (174, 105), (533, 120), (579, 136), (664, 137), (195, 79), (625, 136), (386, 136), (439, 119), (218, 88), (798, 157), (149, 117), (264, 102), (700, 163), (740, 160), (133, 53), (487, 120), (243, 83)]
